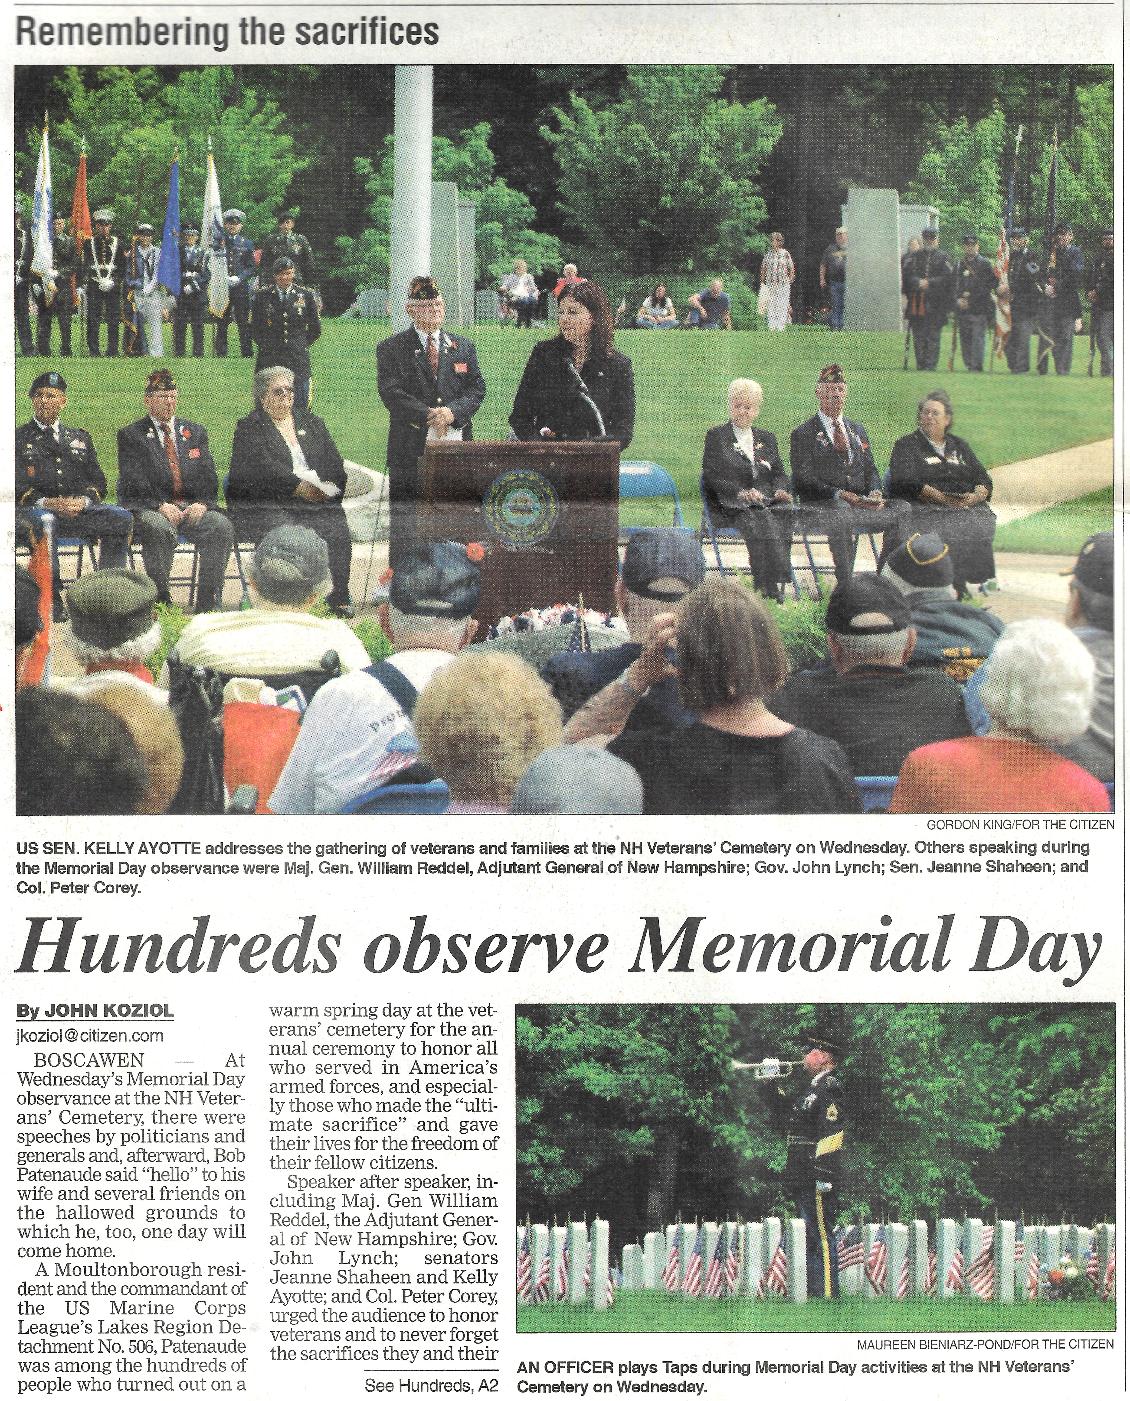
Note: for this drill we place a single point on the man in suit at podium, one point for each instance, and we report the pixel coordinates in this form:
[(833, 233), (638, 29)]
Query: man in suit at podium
[(431, 385)]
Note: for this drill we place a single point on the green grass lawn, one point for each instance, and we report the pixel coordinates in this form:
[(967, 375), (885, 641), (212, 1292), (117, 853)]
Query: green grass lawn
[(681, 379), (1060, 529), (655, 1313)]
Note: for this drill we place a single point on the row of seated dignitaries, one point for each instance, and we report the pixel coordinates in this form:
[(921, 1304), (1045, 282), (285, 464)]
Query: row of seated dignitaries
[(285, 468), (936, 483)]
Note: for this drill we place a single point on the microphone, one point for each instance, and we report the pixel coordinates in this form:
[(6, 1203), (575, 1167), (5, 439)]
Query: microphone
[(583, 390)]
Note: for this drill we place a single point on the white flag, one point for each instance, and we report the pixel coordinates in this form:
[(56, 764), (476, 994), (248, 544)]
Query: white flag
[(42, 245), (212, 237)]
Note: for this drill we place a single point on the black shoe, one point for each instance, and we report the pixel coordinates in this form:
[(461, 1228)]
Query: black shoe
[(164, 598), (344, 609)]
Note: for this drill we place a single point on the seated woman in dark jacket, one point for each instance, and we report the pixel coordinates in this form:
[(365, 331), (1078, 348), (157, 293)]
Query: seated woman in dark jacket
[(942, 478), (287, 470), (746, 487), (576, 386)]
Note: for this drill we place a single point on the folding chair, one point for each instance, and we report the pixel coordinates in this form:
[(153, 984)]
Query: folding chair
[(192, 578), (812, 535), (394, 799), (708, 530), (875, 793), (647, 479)]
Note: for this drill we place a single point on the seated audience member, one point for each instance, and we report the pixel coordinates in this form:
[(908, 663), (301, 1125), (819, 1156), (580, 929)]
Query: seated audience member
[(568, 279), (657, 311), (28, 619), (287, 470), (1090, 616), (737, 757), (574, 780), (710, 308), (746, 487), (74, 757), (660, 566), (279, 636), (57, 472), (1038, 689), (948, 490), (481, 722), (114, 631), (875, 706), (952, 636), (357, 734), (518, 294), (835, 478), (167, 479), (154, 731)]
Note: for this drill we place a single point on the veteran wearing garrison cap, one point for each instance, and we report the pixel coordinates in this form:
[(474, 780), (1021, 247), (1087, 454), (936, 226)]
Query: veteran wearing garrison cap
[(167, 479), (57, 471), (284, 325), (431, 385)]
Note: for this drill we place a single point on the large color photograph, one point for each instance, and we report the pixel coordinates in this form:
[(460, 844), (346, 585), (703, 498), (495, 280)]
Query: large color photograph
[(564, 439)]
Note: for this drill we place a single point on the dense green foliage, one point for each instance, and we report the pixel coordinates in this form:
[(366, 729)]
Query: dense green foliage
[(959, 174), (631, 1111)]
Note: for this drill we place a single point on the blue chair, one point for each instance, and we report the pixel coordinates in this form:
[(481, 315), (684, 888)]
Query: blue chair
[(712, 532), (648, 479), (394, 799), (875, 793)]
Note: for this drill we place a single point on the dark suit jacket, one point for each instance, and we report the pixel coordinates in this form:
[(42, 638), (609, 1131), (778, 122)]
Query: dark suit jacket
[(262, 469), (144, 479), (819, 471), (408, 390), (284, 331), (726, 470), (45, 467), (549, 397)]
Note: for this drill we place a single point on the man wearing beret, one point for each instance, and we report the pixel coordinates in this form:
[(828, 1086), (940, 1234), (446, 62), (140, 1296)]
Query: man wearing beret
[(836, 481), (976, 311), (431, 385), (57, 471), (285, 324), (167, 478), (104, 271), (285, 243), (239, 254)]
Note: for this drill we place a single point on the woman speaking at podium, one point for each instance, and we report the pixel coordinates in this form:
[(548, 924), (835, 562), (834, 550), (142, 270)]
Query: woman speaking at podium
[(576, 386)]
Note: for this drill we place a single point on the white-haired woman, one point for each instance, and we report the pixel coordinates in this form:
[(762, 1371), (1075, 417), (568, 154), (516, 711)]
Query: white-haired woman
[(1038, 688), (746, 486), (287, 470), (518, 293)]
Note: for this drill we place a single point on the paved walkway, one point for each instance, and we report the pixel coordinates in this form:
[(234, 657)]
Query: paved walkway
[(1022, 488)]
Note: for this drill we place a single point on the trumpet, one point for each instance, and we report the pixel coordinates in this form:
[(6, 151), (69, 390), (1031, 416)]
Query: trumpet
[(771, 1068)]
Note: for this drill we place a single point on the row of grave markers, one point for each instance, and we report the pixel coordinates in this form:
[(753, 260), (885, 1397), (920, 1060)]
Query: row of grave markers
[(1004, 1262)]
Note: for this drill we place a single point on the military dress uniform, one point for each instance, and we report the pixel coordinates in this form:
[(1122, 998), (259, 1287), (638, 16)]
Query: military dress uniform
[(975, 282), (1026, 297), (239, 253), (813, 1174), (285, 324), (928, 309), (23, 252), (60, 308), (1063, 281), (195, 270), (1102, 308), (142, 267), (294, 246), (104, 270)]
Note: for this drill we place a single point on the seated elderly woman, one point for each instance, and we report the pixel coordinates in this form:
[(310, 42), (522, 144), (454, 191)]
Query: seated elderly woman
[(657, 311), (737, 757), (1037, 689), (279, 638), (746, 487), (518, 293), (942, 478), (286, 470), (480, 723)]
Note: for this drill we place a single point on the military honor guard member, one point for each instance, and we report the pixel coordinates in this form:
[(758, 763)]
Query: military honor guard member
[(431, 385), (23, 251), (976, 281), (284, 325), (239, 253), (57, 301), (195, 270), (104, 271), (1101, 297), (814, 1165), (285, 243), (928, 284), (1063, 281), (167, 479), (1025, 298), (148, 295), (57, 471)]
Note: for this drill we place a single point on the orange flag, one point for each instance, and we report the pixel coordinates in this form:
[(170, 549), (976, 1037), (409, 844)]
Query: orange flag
[(80, 208)]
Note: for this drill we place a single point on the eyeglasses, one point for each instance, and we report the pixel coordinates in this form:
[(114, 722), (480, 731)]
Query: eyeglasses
[(286, 392)]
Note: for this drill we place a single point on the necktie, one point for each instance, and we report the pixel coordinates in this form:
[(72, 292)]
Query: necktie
[(839, 438), (433, 355), (174, 461)]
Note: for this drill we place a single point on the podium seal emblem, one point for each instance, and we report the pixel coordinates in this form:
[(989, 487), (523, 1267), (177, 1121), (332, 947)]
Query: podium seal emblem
[(521, 507)]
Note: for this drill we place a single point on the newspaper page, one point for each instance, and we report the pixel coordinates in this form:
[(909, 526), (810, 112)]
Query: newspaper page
[(422, 1107)]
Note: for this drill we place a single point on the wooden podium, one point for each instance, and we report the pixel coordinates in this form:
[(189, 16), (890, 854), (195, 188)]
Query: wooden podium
[(545, 513)]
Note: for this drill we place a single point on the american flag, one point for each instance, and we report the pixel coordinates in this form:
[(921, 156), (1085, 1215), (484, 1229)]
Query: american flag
[(692, 1280), (732, 1263), (776, 1277), (982, 1272), (1003, 325), (876, 1267), (932, 1272), (563, 1272), (525, 1270), (671, 1269), (955, 1275), (1091, 1266), (717, 1270), (1034, 1275), (902, 1289), (579, 636), (1108, 1276), (541, 1288), (849, 1247), (586, 1281)]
